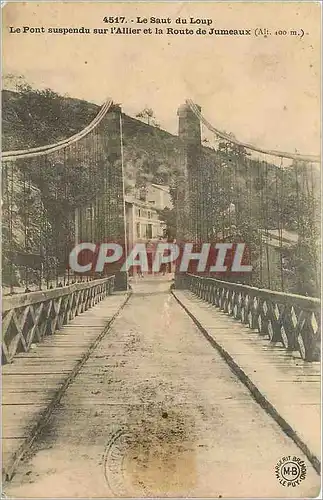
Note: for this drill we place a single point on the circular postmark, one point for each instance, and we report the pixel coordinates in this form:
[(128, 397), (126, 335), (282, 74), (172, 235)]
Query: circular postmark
[(114, 462), (152, 457), (290, 471)]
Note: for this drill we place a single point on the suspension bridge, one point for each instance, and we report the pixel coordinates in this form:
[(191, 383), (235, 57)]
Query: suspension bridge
[(118, 386)]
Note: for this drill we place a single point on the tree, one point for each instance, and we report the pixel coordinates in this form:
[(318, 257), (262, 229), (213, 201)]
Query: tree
[(14, 82), (148, 116), (150, 154), (168, 216)]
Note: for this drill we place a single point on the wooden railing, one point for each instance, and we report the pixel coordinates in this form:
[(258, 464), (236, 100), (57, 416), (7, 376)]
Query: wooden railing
[(28, 317), (293, 320)]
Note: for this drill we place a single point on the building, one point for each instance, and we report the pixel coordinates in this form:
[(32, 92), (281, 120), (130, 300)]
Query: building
[(278, 249), (143, 223), (159, 196)]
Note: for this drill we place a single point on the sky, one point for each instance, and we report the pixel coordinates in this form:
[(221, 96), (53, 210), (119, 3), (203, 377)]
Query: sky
[(265, 90)]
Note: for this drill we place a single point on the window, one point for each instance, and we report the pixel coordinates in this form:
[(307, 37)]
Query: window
[(138, 229), (139, 212), (149, 214), (149, 231)]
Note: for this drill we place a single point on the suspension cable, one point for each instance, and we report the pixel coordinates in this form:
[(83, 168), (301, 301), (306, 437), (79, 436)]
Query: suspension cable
[(43, 150), (266, 226), (261, 203), (280, 198), (226, 137)]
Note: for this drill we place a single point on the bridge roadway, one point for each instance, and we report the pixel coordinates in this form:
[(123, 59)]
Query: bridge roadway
[(156, 411)]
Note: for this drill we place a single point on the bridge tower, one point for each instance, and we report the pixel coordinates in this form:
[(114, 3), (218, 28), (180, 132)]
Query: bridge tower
[(189, 132), (188, 187), (114, 228)]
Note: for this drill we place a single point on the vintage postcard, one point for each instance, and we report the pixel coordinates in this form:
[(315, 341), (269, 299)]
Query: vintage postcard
[(161, 249)]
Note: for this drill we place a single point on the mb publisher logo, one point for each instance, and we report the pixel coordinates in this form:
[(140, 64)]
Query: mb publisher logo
[(290, 471)]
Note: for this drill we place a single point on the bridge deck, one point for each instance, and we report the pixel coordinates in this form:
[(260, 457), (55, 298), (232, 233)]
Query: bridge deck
[(32, 383), (155, 410), (291, 385)]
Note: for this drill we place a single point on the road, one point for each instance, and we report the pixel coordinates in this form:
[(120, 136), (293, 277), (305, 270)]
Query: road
[(155, 411)]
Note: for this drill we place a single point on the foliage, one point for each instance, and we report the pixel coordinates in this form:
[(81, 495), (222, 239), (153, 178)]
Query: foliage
[(150, 154), (148, 116), (238, 198), (33, 117), (169, 217)]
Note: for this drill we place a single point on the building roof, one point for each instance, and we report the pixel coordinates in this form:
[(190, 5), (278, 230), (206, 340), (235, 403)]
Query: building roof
[(139, 203), (287, 237)]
